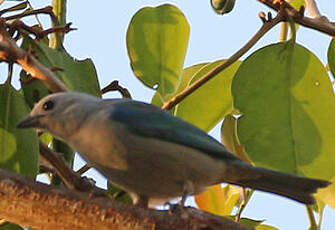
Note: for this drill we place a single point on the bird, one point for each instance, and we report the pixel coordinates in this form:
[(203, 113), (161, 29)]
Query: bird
[(151, 154)]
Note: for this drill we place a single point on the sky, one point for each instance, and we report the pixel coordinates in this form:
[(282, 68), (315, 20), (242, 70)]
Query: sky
[(101, 36)]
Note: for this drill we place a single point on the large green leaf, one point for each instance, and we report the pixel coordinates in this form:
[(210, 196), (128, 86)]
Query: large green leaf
[(331, 56), (157, 39), (77, 75), (211, 102), (19, 149), (288, 107), (186, 77), (33, 89)]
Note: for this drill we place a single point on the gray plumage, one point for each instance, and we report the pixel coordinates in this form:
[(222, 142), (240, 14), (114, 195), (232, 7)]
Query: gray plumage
[(152, 154)]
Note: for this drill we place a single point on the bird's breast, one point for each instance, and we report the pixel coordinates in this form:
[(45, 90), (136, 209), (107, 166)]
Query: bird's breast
[(101, 146)]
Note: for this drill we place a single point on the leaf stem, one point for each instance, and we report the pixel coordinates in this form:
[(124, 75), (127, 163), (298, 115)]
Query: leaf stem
[(313, 225), (10, 73), (267, 25), (59, 9), (283, 32), (247, 193), (36, 16), (320, 217)]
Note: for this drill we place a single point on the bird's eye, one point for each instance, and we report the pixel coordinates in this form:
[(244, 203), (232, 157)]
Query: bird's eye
[(48, 105)]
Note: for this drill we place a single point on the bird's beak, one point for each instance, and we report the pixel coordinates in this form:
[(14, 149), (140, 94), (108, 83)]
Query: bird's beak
[(30, 122)]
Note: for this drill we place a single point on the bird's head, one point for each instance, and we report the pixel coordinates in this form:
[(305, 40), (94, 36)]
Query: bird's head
[(58, 113)]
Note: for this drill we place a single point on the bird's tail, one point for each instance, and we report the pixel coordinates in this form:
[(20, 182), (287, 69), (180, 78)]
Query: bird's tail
[(294, 187)]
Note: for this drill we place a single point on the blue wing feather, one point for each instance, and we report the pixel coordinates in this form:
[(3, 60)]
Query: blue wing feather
[(151, 121)]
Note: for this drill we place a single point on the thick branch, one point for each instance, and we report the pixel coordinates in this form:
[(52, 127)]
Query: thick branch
[(31, 204), (9, 51)]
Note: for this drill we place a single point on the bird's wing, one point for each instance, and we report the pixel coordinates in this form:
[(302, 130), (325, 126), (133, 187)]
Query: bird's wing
[(150, 121)]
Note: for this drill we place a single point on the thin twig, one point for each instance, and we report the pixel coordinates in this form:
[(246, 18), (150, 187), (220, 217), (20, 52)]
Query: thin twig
[(39, 34), (267, 25), (247, 193), (114, 86), (322, 25), (45, 10), (58, 29), (10, 9), (83, 169), (46, 169), (70, 178), (36, 16), (9, 51), (320, 216)]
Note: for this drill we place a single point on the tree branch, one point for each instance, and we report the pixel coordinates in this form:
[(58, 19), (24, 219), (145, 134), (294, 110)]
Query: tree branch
[(9, 51), (71, 179), (35, 205), (114, 86), (267, 25), (45, 10), (39, 34), (323, 25)]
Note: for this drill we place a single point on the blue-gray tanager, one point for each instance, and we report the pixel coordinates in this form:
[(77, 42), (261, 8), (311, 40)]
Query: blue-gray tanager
[(152, 154)]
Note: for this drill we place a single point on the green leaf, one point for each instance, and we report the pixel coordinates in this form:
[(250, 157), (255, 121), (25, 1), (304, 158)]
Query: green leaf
[(77, 75), (218, 200), (188, 74), (297, 4), (157, 99), (331, 56), (327, 194), (288, 107), (250, 222), (256, 224), (230, 139), (186, 77), (10, 226), (211, 102), (117, 193), (46, 138), (265, 227), (157, 39), (19, 149), (33, 90)]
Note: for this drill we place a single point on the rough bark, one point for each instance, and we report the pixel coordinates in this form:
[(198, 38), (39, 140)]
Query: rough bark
[(28, 203)]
